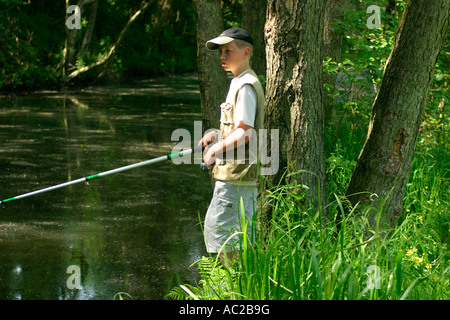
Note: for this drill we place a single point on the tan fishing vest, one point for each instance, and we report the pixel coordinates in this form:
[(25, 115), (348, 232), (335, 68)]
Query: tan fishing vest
[(240, 164)]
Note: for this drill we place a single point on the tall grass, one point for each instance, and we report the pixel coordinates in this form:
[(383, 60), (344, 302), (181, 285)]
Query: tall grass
[(305, 257), (301, 255)]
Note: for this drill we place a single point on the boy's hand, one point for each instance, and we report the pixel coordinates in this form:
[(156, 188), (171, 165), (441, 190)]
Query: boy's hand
[(208, 138), (207, 142), (209, 159)]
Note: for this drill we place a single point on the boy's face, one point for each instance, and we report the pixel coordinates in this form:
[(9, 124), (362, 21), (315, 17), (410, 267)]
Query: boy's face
[(234, 59)]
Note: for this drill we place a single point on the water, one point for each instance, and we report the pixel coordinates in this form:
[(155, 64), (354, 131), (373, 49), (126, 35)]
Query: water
[(135, 232)]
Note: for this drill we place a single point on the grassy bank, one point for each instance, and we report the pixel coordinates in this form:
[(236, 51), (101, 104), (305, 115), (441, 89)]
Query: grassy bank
[(305, 256)]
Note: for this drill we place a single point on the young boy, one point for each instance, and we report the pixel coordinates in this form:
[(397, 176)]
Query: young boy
[(236, 174)]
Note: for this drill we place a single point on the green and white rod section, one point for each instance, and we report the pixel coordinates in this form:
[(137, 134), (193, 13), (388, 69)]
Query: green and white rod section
[(106, 173)]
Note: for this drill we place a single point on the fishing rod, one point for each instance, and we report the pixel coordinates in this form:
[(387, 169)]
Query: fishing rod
[(107, 173)]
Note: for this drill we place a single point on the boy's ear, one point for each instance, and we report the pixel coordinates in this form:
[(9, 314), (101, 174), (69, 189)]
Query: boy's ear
[(246, 52)]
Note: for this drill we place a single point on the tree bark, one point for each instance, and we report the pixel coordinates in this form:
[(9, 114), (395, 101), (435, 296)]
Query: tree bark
[(211, 76), (294, 34), (253, 20), (385, 160)]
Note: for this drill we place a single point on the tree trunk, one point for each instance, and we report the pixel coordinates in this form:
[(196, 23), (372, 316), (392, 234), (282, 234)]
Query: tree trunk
[(385, 160), (69, 59), (332, 44), (294, 34), (253, 20), (89, 30), (211, 76), (64, 61)]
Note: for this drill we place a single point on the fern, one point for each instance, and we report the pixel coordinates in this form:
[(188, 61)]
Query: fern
[(216, 283)]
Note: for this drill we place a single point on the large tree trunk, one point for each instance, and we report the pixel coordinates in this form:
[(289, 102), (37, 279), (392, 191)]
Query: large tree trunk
[(253, 20), (332, 44), (211, 76), (385, 161), (294, 33)]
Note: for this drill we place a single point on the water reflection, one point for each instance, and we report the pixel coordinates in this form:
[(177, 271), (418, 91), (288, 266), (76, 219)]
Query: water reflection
[(132, 232)]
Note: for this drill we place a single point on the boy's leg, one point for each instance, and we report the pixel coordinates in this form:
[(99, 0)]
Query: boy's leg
[(249, 196), (213, 232), (224, 216)]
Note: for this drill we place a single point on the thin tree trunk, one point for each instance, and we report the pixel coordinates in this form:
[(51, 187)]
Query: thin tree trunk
[(385, 161), (89, 30), (66, 46), (211, 76), (294, 34), (69, 57)]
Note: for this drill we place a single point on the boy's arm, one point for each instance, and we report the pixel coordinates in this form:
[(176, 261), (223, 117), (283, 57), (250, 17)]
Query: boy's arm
[(241, 135)]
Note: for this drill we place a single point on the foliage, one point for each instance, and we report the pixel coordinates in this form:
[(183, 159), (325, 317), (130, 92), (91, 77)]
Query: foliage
[(33, 34), (25, 54)]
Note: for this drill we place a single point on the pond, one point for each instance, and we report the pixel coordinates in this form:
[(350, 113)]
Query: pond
[(138, 231)]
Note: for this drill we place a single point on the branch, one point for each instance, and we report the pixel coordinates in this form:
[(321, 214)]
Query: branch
[(76, 73)]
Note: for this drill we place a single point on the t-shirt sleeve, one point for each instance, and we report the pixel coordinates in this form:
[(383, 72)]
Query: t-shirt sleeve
[(245, 109)]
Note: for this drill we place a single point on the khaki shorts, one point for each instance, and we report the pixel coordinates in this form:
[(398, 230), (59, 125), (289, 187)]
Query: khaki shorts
[(224, 218)]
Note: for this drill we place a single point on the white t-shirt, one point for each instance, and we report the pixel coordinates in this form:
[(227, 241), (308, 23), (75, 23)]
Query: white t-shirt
[(246, 103)]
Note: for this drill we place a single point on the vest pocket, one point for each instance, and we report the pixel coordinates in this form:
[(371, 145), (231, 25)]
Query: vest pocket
[(227, 114)]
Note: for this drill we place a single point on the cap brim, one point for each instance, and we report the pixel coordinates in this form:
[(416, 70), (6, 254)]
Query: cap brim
[(213, 44)]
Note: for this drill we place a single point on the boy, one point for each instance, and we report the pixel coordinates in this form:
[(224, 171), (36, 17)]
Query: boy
[(242, 115)]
